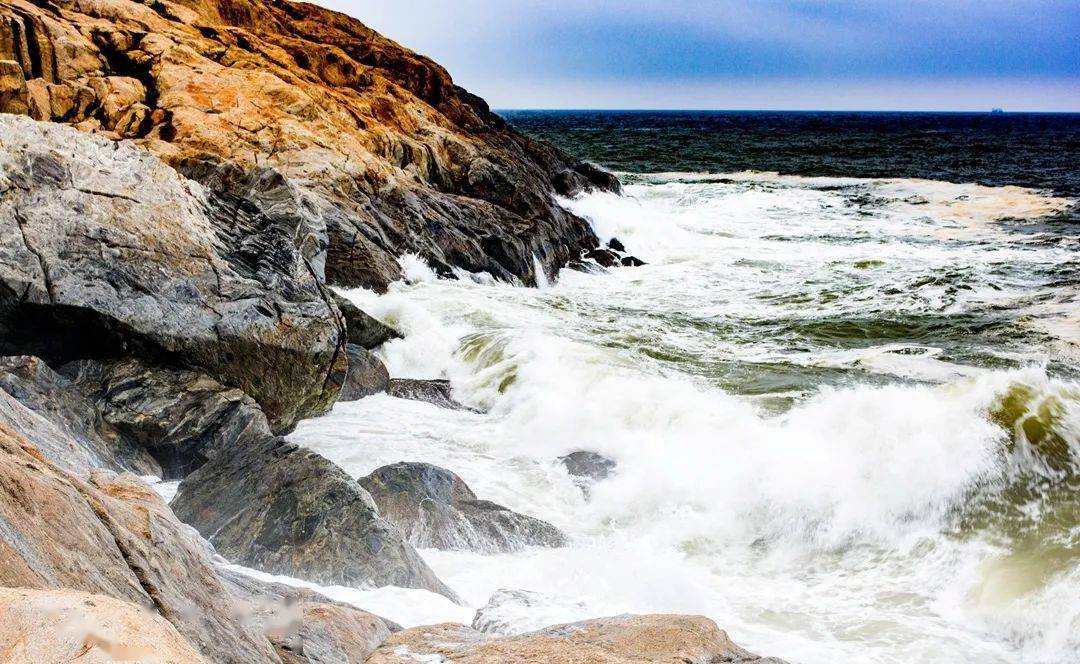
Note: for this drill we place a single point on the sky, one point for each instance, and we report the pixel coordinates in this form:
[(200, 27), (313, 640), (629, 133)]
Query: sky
[(747, 54)]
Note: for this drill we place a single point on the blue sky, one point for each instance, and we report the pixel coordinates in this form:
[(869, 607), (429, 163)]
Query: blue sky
[(839, 54)]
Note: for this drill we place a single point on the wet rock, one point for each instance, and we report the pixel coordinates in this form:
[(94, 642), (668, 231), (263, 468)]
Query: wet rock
[(67, 425), (586, 467), (105, 251), (436, 509), (397, 158), (67, 626), (631, 261), (364, 330), (112, 535), (615, 245), (180, 417), (306, 627), (434, 391), (283, 509), (367, 375), (628, 639), (602, 257), (510, 612)]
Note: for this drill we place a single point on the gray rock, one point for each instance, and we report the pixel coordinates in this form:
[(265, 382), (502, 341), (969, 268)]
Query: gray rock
[(588, 465), (304, 626), (366, 375), (586, 468), (67, 425), (111, 252), (112, 535), (181, 417), (434, 391), (283, 509), (436, 509), (362, 329)]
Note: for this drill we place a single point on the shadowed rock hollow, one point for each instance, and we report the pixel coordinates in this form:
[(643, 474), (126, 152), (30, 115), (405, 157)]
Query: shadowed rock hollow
[(369, 144)]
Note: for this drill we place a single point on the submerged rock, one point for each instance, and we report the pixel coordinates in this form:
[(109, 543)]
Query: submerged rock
[(602, 257), (516, 611), (362, 329), (588, 465), (434, 391), (109, 252), (616, 245), (436, 509), (305, 626), (284, 509), (631, 261), (366, 375), (68, 626), (628, 639)]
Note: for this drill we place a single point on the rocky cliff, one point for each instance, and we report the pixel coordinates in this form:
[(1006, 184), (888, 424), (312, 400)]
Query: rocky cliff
[(366, 149)]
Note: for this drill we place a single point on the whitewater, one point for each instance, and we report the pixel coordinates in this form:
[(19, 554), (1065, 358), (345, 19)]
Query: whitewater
[(845, 415)]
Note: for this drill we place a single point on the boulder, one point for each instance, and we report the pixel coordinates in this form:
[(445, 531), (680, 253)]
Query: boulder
[(385, 148), (436, 509), (284, 509), (434, 391), (628, 639), (67, 426), (112, 535), (616, 245), (305, 626), (362, 329), (180, 417), (586, 467), (631, 261), (113, 253), (47, 626), (602, 257), (366, 375)]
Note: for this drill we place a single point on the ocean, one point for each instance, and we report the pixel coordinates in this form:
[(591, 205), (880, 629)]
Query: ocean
[(843, 395)]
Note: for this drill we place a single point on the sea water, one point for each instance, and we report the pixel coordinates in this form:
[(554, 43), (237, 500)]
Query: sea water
[(845, 413)]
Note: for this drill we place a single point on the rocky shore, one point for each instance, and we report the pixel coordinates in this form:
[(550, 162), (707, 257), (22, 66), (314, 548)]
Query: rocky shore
[(182, 187)]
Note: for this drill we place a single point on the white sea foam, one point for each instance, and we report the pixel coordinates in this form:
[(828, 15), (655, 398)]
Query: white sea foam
[(822, 530)]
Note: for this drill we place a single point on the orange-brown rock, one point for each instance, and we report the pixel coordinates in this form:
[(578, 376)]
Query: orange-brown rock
[(630, 639), (47, 626), (390, 155)]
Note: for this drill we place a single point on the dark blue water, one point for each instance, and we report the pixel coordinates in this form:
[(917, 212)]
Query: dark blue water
[(1039, 150)]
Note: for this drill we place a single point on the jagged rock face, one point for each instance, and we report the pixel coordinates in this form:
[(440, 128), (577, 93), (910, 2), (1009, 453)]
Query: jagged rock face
[(105, 252), (284, 509), (630, 639), (67, 425), (436, 509), (112, 535), (390, 155), (180, 417), (66, 626)]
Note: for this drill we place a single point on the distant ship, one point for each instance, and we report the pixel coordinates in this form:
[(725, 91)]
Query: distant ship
[(996, 111)]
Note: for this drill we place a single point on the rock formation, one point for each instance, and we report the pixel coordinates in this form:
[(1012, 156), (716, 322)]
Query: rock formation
[(432, 390), (647, 639), (436, 509), (370, 147), (106, 251), (281, 508)]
